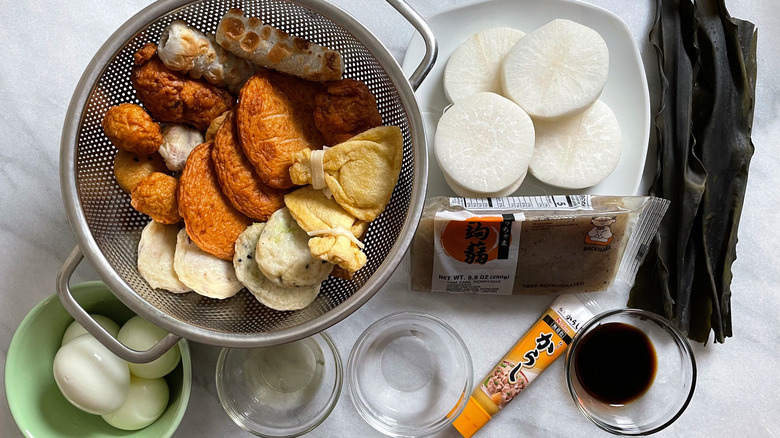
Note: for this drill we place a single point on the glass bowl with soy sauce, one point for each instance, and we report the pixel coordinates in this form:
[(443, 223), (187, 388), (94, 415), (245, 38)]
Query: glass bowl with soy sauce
[(630, 372)]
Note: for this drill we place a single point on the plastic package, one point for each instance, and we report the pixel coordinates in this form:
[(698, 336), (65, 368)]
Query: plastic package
[(532, 245)]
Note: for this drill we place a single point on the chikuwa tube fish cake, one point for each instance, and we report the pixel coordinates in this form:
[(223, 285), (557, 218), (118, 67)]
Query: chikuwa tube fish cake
[(250, 38)]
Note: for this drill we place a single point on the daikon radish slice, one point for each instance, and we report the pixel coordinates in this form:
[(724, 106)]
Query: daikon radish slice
[(475, 65), (578, 151), (484, 143), (465, 193), (557, 70)]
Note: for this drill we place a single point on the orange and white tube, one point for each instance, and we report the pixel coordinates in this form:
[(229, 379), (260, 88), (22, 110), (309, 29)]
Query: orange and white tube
[(533, 353)]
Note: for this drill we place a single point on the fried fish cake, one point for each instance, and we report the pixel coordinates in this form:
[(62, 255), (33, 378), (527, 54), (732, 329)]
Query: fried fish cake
[(211, 221), (130, 169), (173, 97), (275, 119), (266, 291), (202, 272), (131, 129), (344, 109), (155, 196), (283, 253), (178, 140), (238, 179), (156, 250), (215, 125)]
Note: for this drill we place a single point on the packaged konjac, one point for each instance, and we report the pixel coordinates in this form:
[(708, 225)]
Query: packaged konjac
[(532, 245)]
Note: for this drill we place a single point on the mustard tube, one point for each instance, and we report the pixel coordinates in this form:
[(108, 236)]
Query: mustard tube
[(547, 339)]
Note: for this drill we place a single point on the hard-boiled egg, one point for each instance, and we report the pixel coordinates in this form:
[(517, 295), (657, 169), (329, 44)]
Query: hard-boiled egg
[(90, 376), (75, 329), (145, 402), (140, 334)]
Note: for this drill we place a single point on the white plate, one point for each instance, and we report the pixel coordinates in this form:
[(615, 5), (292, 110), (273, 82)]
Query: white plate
[(625, 92)]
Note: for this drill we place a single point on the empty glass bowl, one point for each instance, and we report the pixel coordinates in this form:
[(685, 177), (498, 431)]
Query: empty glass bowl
[(280, 391), (651, 406), (410, 375)]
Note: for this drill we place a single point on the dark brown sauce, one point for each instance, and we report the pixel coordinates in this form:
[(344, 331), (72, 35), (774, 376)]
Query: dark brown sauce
[(615, 363)]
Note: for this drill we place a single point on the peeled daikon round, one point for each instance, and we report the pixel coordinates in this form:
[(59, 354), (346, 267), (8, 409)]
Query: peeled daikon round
[(474, 66), (557, 70), (484, 144), (577, 151)]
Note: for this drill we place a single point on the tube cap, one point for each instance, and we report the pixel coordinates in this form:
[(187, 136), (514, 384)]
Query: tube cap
[(471, 419)]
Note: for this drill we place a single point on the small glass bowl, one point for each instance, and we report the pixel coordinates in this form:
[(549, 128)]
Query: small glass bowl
[(669, 393), (410, 374), (280, 391)]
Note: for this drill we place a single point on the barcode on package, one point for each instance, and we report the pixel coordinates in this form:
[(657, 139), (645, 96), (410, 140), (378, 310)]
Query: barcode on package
[(559, 202)]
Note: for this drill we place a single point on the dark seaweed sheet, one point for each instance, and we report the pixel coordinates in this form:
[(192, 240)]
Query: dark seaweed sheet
[(707, 66)]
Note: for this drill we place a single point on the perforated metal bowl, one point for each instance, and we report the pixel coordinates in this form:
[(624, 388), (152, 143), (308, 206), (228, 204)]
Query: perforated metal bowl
[(107, 228)]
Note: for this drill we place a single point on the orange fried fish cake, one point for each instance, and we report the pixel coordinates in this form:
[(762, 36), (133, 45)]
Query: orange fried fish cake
[(173, 97), (344, 109), (211, 221), (238, 179), (130, 128), (130, 169), (155, 196), (275, 119)]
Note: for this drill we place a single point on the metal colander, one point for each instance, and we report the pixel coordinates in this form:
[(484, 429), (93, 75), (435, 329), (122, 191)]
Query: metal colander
[(108, 229)]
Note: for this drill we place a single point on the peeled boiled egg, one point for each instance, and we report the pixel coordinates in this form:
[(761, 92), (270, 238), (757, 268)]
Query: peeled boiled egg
[(90, 376), (145, 402), (75, 329), (140, 334)]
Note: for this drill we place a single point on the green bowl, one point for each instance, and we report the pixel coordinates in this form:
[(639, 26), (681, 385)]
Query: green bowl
[(36, 403)]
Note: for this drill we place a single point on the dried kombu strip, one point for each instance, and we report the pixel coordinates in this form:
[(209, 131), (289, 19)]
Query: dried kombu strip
[(707, 64)]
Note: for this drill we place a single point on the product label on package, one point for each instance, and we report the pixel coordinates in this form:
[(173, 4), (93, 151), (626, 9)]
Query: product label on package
[(561, 202), (540, 346), (476, 251), (475, 254)]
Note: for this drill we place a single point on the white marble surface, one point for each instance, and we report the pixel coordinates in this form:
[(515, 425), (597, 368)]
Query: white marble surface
[(45, 48)]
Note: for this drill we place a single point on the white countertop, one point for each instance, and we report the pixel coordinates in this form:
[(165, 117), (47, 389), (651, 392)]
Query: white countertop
[(46, 47)]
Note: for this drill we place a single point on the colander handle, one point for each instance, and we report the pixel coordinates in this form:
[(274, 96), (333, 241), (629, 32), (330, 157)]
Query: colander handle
[(431, 47), (95, 329)]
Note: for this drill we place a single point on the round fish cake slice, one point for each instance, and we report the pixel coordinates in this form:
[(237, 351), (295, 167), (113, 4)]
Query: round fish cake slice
[(202, 272), (210, 219), (283, 253), (238, 179), (267, 292), (155, 257)]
